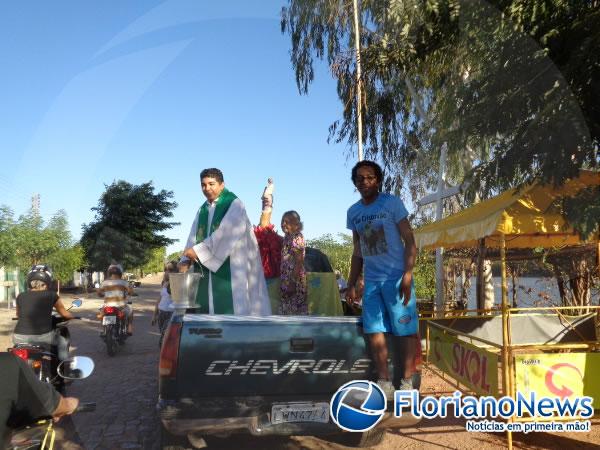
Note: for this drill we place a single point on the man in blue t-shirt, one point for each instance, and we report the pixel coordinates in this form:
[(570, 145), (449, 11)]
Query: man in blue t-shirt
[(384, 244)]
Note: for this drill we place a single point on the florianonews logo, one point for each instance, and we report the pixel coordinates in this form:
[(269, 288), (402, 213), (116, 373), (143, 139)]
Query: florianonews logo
[(358, 405)]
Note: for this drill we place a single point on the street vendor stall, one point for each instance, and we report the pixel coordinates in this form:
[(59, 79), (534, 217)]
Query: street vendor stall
[(527, 218)]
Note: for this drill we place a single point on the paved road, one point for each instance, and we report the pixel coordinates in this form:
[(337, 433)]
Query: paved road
[(124, 386), (125, 389)]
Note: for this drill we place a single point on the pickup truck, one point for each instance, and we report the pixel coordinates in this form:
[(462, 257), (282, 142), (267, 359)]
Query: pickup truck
[(222, 374)]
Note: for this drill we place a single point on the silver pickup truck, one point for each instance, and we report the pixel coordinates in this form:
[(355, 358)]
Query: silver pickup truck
[(221, 374)]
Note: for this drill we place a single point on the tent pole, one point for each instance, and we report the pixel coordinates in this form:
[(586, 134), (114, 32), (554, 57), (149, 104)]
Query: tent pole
[(506, 372), (598, 270), (598, 251), (480, 281), (505, 381)]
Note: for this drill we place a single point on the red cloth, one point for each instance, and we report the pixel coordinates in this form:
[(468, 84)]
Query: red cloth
[(269, 245)]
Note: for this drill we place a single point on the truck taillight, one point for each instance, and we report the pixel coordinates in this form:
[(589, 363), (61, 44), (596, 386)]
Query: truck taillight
[(169, 353)]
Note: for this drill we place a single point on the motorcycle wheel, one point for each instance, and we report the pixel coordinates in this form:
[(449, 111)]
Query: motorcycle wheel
[(111, 344), (122, 332)]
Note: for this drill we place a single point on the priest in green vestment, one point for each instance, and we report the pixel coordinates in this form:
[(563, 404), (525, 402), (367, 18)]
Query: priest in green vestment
[(223, 244)]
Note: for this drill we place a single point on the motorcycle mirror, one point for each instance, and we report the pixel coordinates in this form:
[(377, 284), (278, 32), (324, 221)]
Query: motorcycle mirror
[(77, 302), (76, 368)]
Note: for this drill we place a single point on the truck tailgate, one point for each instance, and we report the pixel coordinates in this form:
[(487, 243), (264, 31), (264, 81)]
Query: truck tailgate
[(274, 355)]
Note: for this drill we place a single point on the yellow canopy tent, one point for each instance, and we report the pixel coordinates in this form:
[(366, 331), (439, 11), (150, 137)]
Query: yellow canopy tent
[(528, 218)]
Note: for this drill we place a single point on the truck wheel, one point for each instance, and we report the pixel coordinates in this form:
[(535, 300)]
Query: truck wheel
[(170, 441), (369, 438)]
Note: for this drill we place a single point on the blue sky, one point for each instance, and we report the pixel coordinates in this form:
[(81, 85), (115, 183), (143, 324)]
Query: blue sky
[(92, 92)]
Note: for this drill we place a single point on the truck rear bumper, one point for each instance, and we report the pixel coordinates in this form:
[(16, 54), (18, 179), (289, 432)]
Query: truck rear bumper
[(177, 420)]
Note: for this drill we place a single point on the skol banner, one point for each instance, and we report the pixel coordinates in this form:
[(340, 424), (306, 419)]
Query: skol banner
[(559, 374), (472, 366)]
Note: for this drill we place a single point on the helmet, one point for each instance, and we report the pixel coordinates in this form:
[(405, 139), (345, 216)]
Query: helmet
[(114, 269), (40, 272)]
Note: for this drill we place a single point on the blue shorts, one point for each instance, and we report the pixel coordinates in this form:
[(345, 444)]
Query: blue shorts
[(384, 312)]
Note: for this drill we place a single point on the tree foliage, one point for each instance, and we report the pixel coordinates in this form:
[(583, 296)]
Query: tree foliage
[(424, 275), (7, 238), (156, 261), (175, 256), (28, 240), (338, 251), (128, 225), (509, 85)]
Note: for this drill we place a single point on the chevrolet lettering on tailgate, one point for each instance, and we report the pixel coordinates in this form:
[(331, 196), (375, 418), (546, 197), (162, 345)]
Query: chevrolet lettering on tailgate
[(275, 367)]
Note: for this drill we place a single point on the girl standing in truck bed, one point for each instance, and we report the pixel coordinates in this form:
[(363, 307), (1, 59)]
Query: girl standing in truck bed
[(293, 276)]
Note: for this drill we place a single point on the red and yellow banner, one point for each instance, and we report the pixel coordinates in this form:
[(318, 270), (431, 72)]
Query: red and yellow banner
[(559, 374), (470, 365)]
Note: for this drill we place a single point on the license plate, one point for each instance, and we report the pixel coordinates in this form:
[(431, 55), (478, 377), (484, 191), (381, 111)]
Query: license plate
[(109, 320), (300, 412)]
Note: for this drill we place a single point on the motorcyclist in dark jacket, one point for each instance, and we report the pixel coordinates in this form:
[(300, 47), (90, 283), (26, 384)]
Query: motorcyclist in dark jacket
[(34, 312)]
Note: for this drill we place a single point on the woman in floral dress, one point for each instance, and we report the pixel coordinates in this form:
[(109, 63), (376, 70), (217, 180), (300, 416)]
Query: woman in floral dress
[(293, 277)]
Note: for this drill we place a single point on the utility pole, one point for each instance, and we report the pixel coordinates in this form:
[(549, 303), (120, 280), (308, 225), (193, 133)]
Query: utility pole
[(35, 204), (358, 81)]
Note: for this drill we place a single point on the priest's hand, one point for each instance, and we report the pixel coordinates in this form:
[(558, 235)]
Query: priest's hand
[(190, 253)]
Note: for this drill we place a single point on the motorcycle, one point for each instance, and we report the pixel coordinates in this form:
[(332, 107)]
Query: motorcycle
[(41, 435), (114, 327), (44, 359)]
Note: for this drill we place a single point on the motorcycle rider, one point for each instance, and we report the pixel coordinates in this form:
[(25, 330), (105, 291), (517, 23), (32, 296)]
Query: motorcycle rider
[(115, 291), (24, 398), (34, 313)]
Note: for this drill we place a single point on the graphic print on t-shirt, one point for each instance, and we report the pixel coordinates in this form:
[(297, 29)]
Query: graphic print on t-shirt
[(373, 240)]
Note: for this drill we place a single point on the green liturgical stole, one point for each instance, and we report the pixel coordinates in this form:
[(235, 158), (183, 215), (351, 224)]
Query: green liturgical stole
[(221, 279)]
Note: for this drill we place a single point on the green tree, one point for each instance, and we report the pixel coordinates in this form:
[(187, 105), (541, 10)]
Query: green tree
[(7, 239), (510, 85), (424, 275), (28, 241), (156, 261), (338, 251), (129, 220), (174, 256), (65, 261)]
